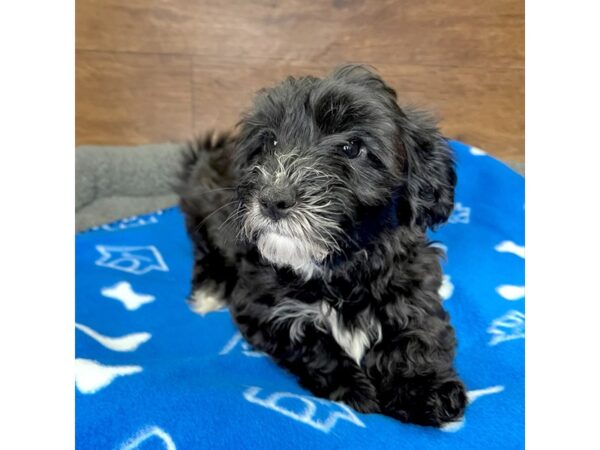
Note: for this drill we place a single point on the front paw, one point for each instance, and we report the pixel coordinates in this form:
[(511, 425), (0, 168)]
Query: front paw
[(208, 297), (357, 399), (425, 404), (447, 403)]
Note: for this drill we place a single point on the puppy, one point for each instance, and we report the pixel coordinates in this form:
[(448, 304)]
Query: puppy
[(310, 226)]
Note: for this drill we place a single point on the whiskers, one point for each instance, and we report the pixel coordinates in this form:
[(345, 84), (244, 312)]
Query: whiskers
[(235, 216), (203, 221), (213, 191)]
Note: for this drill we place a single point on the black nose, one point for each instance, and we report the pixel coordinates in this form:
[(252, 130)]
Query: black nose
[(275, 201)]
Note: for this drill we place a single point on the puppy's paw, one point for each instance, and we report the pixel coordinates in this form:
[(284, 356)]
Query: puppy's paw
[(446, 403), (357, 399), (424, 403), (207, 298)]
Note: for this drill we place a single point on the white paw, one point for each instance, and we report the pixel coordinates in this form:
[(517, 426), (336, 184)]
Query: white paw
[(447, 288), (207, 299)]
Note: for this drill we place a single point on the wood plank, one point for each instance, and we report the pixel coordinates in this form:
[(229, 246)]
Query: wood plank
[(132, 99), (479, 106), (224, 89), (483, 107), (463, 59), (474, 33)]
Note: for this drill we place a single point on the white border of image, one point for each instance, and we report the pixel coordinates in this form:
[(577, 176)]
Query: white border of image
[(562, 190), (37, 181), (37, 74)]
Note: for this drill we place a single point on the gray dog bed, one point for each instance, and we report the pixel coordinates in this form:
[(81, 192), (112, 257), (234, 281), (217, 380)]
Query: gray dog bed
[(118, 182)]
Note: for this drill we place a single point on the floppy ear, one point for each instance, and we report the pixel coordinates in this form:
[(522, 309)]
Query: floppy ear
[(429, 169), (428, 162), (364, 76)]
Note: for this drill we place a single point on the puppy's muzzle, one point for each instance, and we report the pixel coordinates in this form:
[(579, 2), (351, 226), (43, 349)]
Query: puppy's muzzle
[(276, 201)]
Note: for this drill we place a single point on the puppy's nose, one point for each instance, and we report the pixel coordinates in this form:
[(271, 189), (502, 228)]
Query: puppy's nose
[(275, 201)]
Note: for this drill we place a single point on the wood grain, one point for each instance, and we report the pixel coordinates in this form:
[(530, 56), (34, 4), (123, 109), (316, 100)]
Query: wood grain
[(483, 107), (215, 79), (464, 59), (131, 98), (475, 33)]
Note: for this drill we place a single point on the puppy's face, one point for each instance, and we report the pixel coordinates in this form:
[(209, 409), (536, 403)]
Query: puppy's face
[(317, 156)]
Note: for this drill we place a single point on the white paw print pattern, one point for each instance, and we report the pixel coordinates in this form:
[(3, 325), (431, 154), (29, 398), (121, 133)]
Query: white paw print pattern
[(317, 413), (477, 151), (127, 343), (124, 293), (149, 434), (92, 376), (508, 327), (138, 260), (508, 291), (131, 222), (460, 214), (237, 340)]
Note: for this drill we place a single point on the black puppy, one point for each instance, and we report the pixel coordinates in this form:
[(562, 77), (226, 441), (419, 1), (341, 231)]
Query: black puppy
[(309, 225)]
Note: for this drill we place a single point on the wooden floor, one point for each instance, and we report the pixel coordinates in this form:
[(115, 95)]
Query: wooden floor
[(165, 70)]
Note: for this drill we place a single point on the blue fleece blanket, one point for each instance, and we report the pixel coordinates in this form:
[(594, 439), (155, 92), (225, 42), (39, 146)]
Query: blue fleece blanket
[(150, 374)]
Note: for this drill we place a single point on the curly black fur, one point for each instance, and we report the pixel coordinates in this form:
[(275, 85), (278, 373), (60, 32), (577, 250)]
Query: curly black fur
[(309, 225)]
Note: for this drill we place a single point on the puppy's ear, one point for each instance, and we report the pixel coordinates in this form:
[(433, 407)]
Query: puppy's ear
[(429, 169), (363, 76)]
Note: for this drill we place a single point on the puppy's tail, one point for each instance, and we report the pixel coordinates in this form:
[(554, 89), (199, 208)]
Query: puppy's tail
[(204, 148), (204, 163), (205, 180)]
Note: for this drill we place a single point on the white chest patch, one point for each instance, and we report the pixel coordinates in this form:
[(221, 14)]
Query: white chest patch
[(283, 250), (355, 342), (287, 251)]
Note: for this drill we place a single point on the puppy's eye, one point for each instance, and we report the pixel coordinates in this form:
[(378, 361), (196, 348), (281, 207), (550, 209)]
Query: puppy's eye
[(352, 148), (270, 141)]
